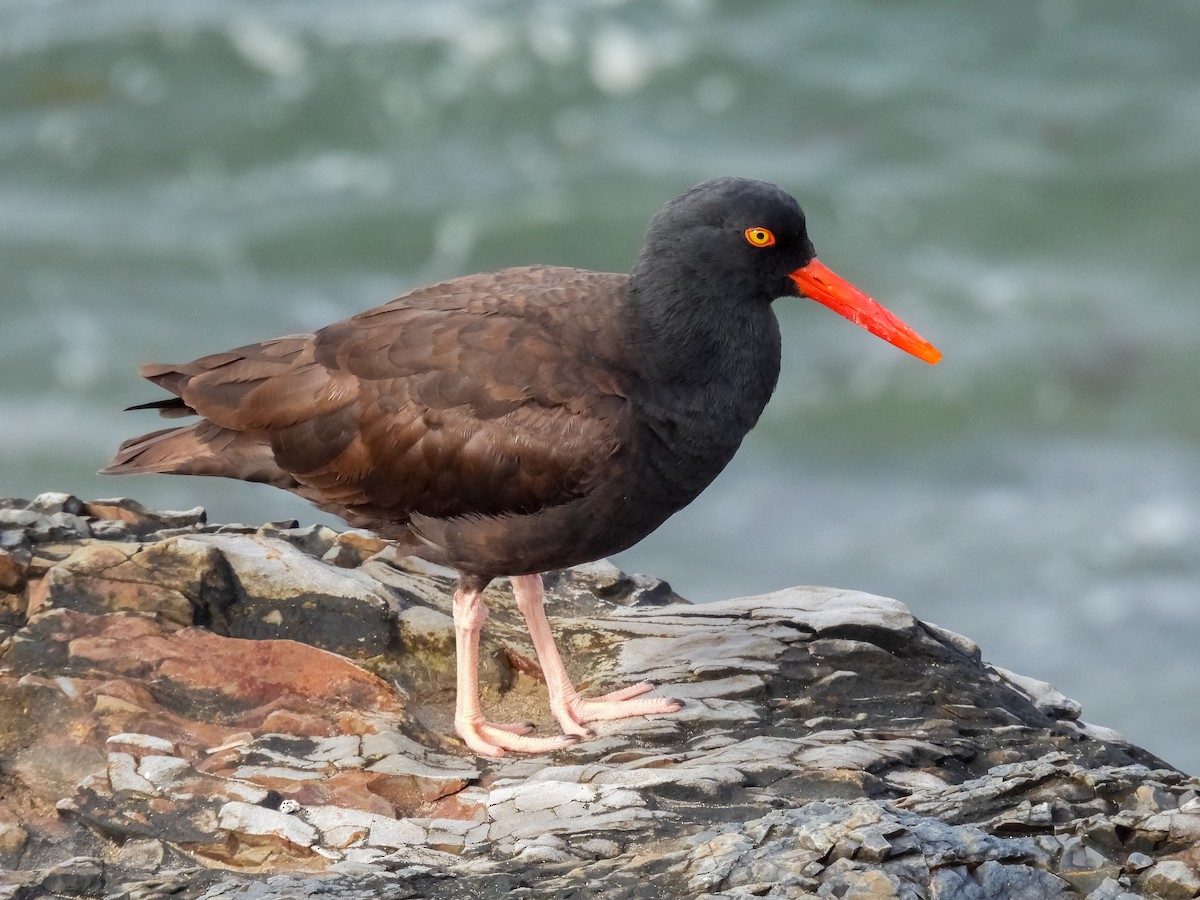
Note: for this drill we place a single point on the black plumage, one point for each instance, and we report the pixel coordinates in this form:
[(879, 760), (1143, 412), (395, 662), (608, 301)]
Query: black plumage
[(523, 420)]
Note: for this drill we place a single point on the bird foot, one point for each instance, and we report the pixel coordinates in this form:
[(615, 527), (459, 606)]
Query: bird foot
[(620, 704), (493, 739)]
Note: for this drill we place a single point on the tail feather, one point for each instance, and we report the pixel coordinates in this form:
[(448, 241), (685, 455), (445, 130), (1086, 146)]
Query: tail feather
[(171, 376), (171, 408), (202, 448)]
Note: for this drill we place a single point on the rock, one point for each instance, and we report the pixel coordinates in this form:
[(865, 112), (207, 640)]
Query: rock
[(312, 540), (36, 525), (249, 819), (80, 876), (1172, 879), (13, 838), (12, 573), (351, 549), (140, 743), (53, 502), (135, 520), (172, 579), (141, 854), (1045, 697), (123, 776), (279, 591), (174, 721)]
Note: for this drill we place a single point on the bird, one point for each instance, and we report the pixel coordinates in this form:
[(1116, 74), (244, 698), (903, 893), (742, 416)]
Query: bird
[(525, 420)]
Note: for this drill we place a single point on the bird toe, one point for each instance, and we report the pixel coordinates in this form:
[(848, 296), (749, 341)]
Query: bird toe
[(494, 740)]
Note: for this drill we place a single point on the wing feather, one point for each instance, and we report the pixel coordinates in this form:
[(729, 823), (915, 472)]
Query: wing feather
[(486, 395)]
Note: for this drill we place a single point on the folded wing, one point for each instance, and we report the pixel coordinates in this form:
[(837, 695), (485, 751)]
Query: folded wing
[(457, 399)]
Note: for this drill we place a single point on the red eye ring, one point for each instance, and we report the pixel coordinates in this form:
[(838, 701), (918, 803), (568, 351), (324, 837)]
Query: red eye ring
[(759, 236)]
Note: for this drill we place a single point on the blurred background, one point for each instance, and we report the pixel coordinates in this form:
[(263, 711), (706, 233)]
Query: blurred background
[(1019, 181)]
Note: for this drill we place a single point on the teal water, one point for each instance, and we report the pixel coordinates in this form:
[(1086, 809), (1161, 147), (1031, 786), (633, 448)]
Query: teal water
[(1020, 181)]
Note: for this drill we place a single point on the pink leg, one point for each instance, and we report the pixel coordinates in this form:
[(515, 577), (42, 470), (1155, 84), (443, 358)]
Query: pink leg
[(482, 736), (572, 710)]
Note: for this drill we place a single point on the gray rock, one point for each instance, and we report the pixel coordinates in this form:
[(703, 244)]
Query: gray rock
[(55, 502), (1172, 878), (80, 876), (279, 591), (13, 517), (123, 776), (142, 743), (831, 744), (250, 819)]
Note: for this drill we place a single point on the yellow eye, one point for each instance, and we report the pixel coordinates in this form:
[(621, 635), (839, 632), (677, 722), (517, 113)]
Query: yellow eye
[(759, 237)]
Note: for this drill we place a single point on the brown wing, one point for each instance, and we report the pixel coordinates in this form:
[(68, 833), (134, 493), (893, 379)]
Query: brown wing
[(491, 394)]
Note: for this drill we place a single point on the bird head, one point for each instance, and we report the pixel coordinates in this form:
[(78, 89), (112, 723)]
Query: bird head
[(747, 240)]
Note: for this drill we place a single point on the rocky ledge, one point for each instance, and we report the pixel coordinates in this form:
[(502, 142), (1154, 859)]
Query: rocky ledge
[(206, 711)]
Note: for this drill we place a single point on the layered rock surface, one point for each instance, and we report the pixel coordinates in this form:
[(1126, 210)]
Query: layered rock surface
[(192, 710)]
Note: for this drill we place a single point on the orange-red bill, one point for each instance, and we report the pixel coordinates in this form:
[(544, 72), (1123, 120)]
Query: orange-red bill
[(818, 282)]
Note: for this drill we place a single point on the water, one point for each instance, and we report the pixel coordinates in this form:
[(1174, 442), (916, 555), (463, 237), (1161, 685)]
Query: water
[(1019, 181)]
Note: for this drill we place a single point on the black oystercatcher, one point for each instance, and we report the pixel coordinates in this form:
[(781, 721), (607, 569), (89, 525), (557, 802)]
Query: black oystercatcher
[(522, 420)]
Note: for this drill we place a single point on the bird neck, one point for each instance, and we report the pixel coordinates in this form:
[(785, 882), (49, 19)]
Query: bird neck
[(708, 367), (693, 334)]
